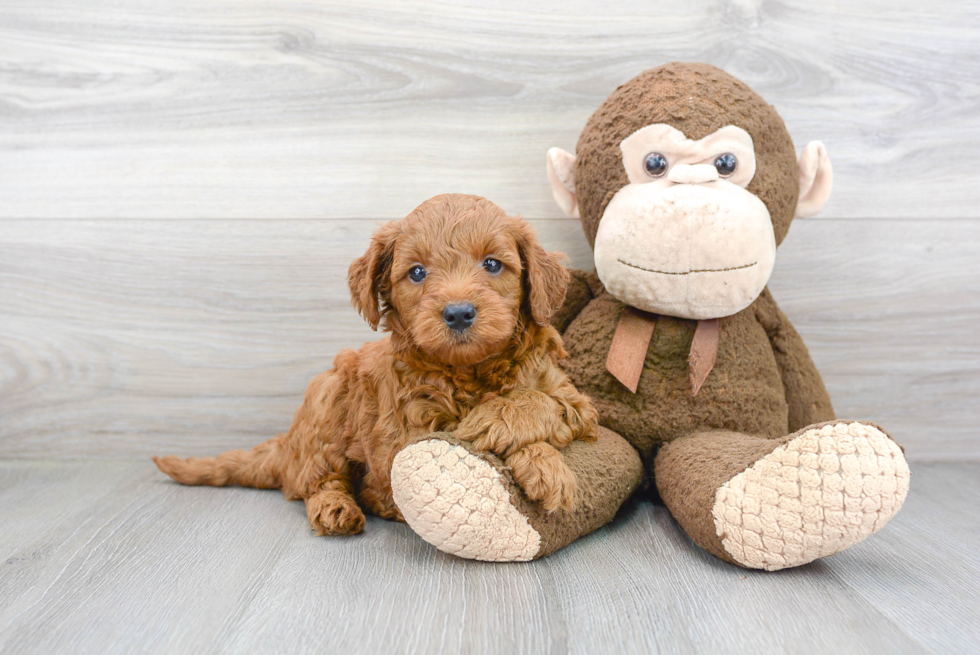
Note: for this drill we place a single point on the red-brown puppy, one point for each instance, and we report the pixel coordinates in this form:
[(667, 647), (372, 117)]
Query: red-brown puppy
[(466, 292)]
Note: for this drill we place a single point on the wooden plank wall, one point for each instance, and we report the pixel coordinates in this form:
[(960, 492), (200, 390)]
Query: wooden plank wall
[(183, 184)]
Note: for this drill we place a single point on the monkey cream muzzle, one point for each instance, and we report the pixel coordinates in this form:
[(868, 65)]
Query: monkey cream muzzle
[(697, 251)]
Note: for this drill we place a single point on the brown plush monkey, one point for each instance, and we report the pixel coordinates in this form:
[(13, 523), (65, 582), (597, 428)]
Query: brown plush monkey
[(686, 181)]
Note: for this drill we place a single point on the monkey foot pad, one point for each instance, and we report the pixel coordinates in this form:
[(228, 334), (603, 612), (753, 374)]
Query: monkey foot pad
[(460, 503), (819, 493)]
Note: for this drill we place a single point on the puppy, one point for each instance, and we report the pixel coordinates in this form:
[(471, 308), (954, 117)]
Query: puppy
[(466, 293)]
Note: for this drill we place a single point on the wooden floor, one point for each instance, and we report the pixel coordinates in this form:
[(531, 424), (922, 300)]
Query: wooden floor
[(111, 557)]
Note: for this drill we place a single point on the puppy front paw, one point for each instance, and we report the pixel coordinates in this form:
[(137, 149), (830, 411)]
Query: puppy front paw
[(544, 476), (334, 513), (489, 428), (504, 426)]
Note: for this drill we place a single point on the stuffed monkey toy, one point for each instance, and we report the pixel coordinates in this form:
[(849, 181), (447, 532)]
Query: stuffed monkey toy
[(686, 181)]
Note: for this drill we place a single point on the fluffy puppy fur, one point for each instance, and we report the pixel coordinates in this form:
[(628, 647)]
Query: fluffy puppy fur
[(496, 383)]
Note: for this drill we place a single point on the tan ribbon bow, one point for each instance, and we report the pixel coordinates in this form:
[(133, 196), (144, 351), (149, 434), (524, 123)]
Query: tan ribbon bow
[(632, 340)]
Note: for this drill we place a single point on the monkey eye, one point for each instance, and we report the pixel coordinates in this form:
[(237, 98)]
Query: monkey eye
[(655, 164), (417, 273), (492, 266), (726, 164)]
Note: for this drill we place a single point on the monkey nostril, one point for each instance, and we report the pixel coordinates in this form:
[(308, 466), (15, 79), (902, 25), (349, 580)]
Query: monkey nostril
[(459, 316)]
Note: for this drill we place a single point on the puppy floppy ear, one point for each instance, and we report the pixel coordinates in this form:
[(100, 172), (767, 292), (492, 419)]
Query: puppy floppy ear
[(545, 278), (367, 276)]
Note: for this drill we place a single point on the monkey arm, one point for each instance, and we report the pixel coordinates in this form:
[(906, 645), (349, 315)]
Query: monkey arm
[(806, 395), (582, 288)]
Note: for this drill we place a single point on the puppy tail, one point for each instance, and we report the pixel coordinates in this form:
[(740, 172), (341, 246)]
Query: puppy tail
[(260, 467)]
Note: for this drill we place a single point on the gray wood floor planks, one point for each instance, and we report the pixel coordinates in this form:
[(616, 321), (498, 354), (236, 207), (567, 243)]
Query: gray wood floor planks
[(132, 338), (102, 553), (931, 559), (332, 109), (142, 564)]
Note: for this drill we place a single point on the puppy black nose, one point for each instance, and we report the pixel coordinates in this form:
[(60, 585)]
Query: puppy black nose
[(459, 316)]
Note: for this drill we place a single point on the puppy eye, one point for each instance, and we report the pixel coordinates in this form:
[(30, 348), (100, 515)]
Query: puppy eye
[(655, 164), (726, 164), (416, 273), (492, 265)]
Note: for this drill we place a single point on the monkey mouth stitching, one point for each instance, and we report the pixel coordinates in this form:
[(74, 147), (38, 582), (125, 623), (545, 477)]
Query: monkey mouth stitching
[(699, 270)]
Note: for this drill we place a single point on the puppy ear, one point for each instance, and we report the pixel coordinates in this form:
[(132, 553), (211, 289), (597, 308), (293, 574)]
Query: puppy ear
[(546, 279), (367, 276)]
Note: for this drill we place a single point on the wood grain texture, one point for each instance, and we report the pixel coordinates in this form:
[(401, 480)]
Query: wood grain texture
[(136, 563), (132, 338), (327, 109)]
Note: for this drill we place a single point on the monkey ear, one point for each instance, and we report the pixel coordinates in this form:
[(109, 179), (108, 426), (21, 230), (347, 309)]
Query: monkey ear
[(561, 174), (546, 278), (816, 179), (367, 276)]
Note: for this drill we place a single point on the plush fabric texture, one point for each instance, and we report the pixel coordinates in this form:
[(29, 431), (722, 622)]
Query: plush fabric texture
[(465, 501), (775, 503), (749, 390), (607, 472), (583, 286), (807, 401), (816, 179), (690, 470), (561, 174), (460, 502), (644, 256), (823, 490), (663, 95)]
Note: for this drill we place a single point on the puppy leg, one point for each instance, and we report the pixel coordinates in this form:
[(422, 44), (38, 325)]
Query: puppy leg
[(544, 476), (332, 509), (374, 494), (506, 424), (526, 428)]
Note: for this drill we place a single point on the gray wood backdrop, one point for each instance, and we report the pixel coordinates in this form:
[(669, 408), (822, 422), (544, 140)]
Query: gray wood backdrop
[(183, 184)]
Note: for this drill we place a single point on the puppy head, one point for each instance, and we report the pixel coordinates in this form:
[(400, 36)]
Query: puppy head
[(457, 278)]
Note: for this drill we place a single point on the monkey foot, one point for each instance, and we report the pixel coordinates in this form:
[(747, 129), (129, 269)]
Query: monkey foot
[(822, 491), (460, 503)]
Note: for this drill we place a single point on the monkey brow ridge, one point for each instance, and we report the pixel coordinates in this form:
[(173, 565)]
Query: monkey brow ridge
[(698, 270)]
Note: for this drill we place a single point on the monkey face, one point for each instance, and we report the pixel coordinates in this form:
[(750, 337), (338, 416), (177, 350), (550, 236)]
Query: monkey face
[(685, 238), (686, 180)]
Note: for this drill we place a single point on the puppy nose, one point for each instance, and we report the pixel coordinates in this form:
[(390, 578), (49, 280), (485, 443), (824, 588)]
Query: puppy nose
[(459, 316), (692, 174)]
